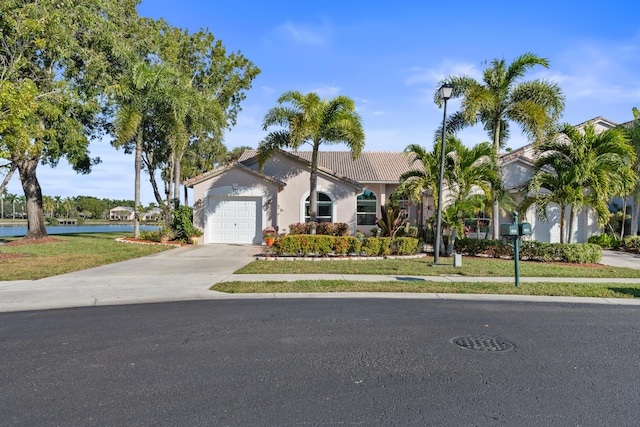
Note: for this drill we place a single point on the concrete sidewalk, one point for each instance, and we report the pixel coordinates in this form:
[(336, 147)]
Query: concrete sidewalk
[(187, 273)]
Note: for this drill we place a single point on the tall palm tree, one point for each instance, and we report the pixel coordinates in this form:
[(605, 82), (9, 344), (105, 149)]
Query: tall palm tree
[(633, 133), (308, 119), (502, 97), (139, 92), (580, 167)]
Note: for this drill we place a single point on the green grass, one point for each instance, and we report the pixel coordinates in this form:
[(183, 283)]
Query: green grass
[(471, 267), (601, 290), (70, 252)]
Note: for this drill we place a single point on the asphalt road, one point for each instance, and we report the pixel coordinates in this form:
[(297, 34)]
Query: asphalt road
[(321, 362)]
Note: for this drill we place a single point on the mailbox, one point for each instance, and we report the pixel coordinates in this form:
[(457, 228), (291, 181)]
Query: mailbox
[(509, 229), (524, 229)]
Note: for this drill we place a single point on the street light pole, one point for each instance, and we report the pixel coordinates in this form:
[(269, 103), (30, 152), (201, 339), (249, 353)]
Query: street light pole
[(445, 93)]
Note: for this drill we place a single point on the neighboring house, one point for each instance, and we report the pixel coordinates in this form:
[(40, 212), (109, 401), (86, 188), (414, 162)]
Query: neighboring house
[(235, 202), (121, 213), (153, 214)]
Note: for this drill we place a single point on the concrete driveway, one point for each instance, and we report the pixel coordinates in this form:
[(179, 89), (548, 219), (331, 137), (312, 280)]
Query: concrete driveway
[(184, 273), (620, 259)]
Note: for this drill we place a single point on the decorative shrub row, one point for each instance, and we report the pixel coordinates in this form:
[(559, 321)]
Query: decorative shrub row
[(305, 244), (558, 252), (322, 228), (632, 243), (492, 248), (532, 250)]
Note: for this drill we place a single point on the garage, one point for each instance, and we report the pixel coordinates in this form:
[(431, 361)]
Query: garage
[(234, 219)]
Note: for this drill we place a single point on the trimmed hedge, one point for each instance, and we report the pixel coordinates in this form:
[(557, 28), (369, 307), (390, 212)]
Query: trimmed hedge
[(474, 247), (532, 250), (322, 228), (605, 240), (582, 253), (322, 245)]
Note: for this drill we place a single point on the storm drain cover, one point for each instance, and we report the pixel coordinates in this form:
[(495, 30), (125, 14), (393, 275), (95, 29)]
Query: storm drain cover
[(484, 343)]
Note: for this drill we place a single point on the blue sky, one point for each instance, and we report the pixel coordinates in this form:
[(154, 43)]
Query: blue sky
[(389, 57)]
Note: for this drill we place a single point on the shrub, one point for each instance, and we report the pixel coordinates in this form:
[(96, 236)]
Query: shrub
[(371, 246), (322, 228), (152, 236), (404, 245), (558, 252), (632, 243), (182, 224), (51, 220), (474, 247), (605, 240), (343, 245)]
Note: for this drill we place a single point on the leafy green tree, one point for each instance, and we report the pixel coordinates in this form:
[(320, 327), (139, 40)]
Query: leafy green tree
[(502, 97), (308, 119), (580, 167), (54, 59)]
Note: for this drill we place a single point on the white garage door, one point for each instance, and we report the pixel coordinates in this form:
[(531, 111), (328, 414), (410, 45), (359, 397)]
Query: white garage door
[(234, 220)]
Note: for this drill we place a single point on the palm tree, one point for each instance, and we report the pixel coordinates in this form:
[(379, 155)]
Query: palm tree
[(138, 93), (470, 173), (580, 167), (308, 119), (501, 98), (423, 179), (632, 130)]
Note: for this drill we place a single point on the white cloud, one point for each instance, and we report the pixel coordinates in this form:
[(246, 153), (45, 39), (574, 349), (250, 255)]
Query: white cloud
[(305, 34), (432, 76)]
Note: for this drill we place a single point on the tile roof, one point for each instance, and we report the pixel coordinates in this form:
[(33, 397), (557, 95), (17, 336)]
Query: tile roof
[(371, 166), (220, 169)]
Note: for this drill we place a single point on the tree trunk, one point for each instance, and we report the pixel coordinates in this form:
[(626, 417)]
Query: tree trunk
[(452, 239), (495, 207), (33, 198), (624, 217), (136, 201), (563, 221), (573, 220), (635, 200), (177, 179), (313, 190), (7, 178)]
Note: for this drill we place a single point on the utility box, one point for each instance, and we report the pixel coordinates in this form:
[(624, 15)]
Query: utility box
[(510, 229), (524, 229)]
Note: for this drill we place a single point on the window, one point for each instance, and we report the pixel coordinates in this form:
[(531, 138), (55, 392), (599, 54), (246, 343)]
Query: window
[(325, 209), (366, 208)]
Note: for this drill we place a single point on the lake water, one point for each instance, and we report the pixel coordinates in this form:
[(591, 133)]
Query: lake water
[(12, 230)]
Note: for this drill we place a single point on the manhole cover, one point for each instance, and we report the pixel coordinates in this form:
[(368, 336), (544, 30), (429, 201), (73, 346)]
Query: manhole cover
[(484, 343)]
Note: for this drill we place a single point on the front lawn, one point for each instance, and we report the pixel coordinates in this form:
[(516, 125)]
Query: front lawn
[(64, 253), (471, 267), (599, 290)]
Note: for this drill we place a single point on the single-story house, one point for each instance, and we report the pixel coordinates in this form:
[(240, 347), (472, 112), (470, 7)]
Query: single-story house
[(235, 202), (121, 213)]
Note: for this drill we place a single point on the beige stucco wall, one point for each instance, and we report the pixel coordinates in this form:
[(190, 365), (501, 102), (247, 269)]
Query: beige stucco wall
[(289, 203), (236, 182)]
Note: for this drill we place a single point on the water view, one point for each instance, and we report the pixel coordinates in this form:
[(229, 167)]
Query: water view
[(12, 230)]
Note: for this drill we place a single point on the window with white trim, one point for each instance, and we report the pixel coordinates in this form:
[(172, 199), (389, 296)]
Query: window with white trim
[(325, 208), (366, 208)]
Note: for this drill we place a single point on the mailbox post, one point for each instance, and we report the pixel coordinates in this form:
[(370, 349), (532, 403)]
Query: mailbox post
[(515, 230)]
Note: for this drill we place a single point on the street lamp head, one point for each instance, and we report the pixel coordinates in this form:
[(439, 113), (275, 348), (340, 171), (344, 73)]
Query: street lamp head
[(446, 91)]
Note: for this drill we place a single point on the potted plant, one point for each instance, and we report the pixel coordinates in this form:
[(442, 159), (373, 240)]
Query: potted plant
[(194, 235), (269, 235)]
